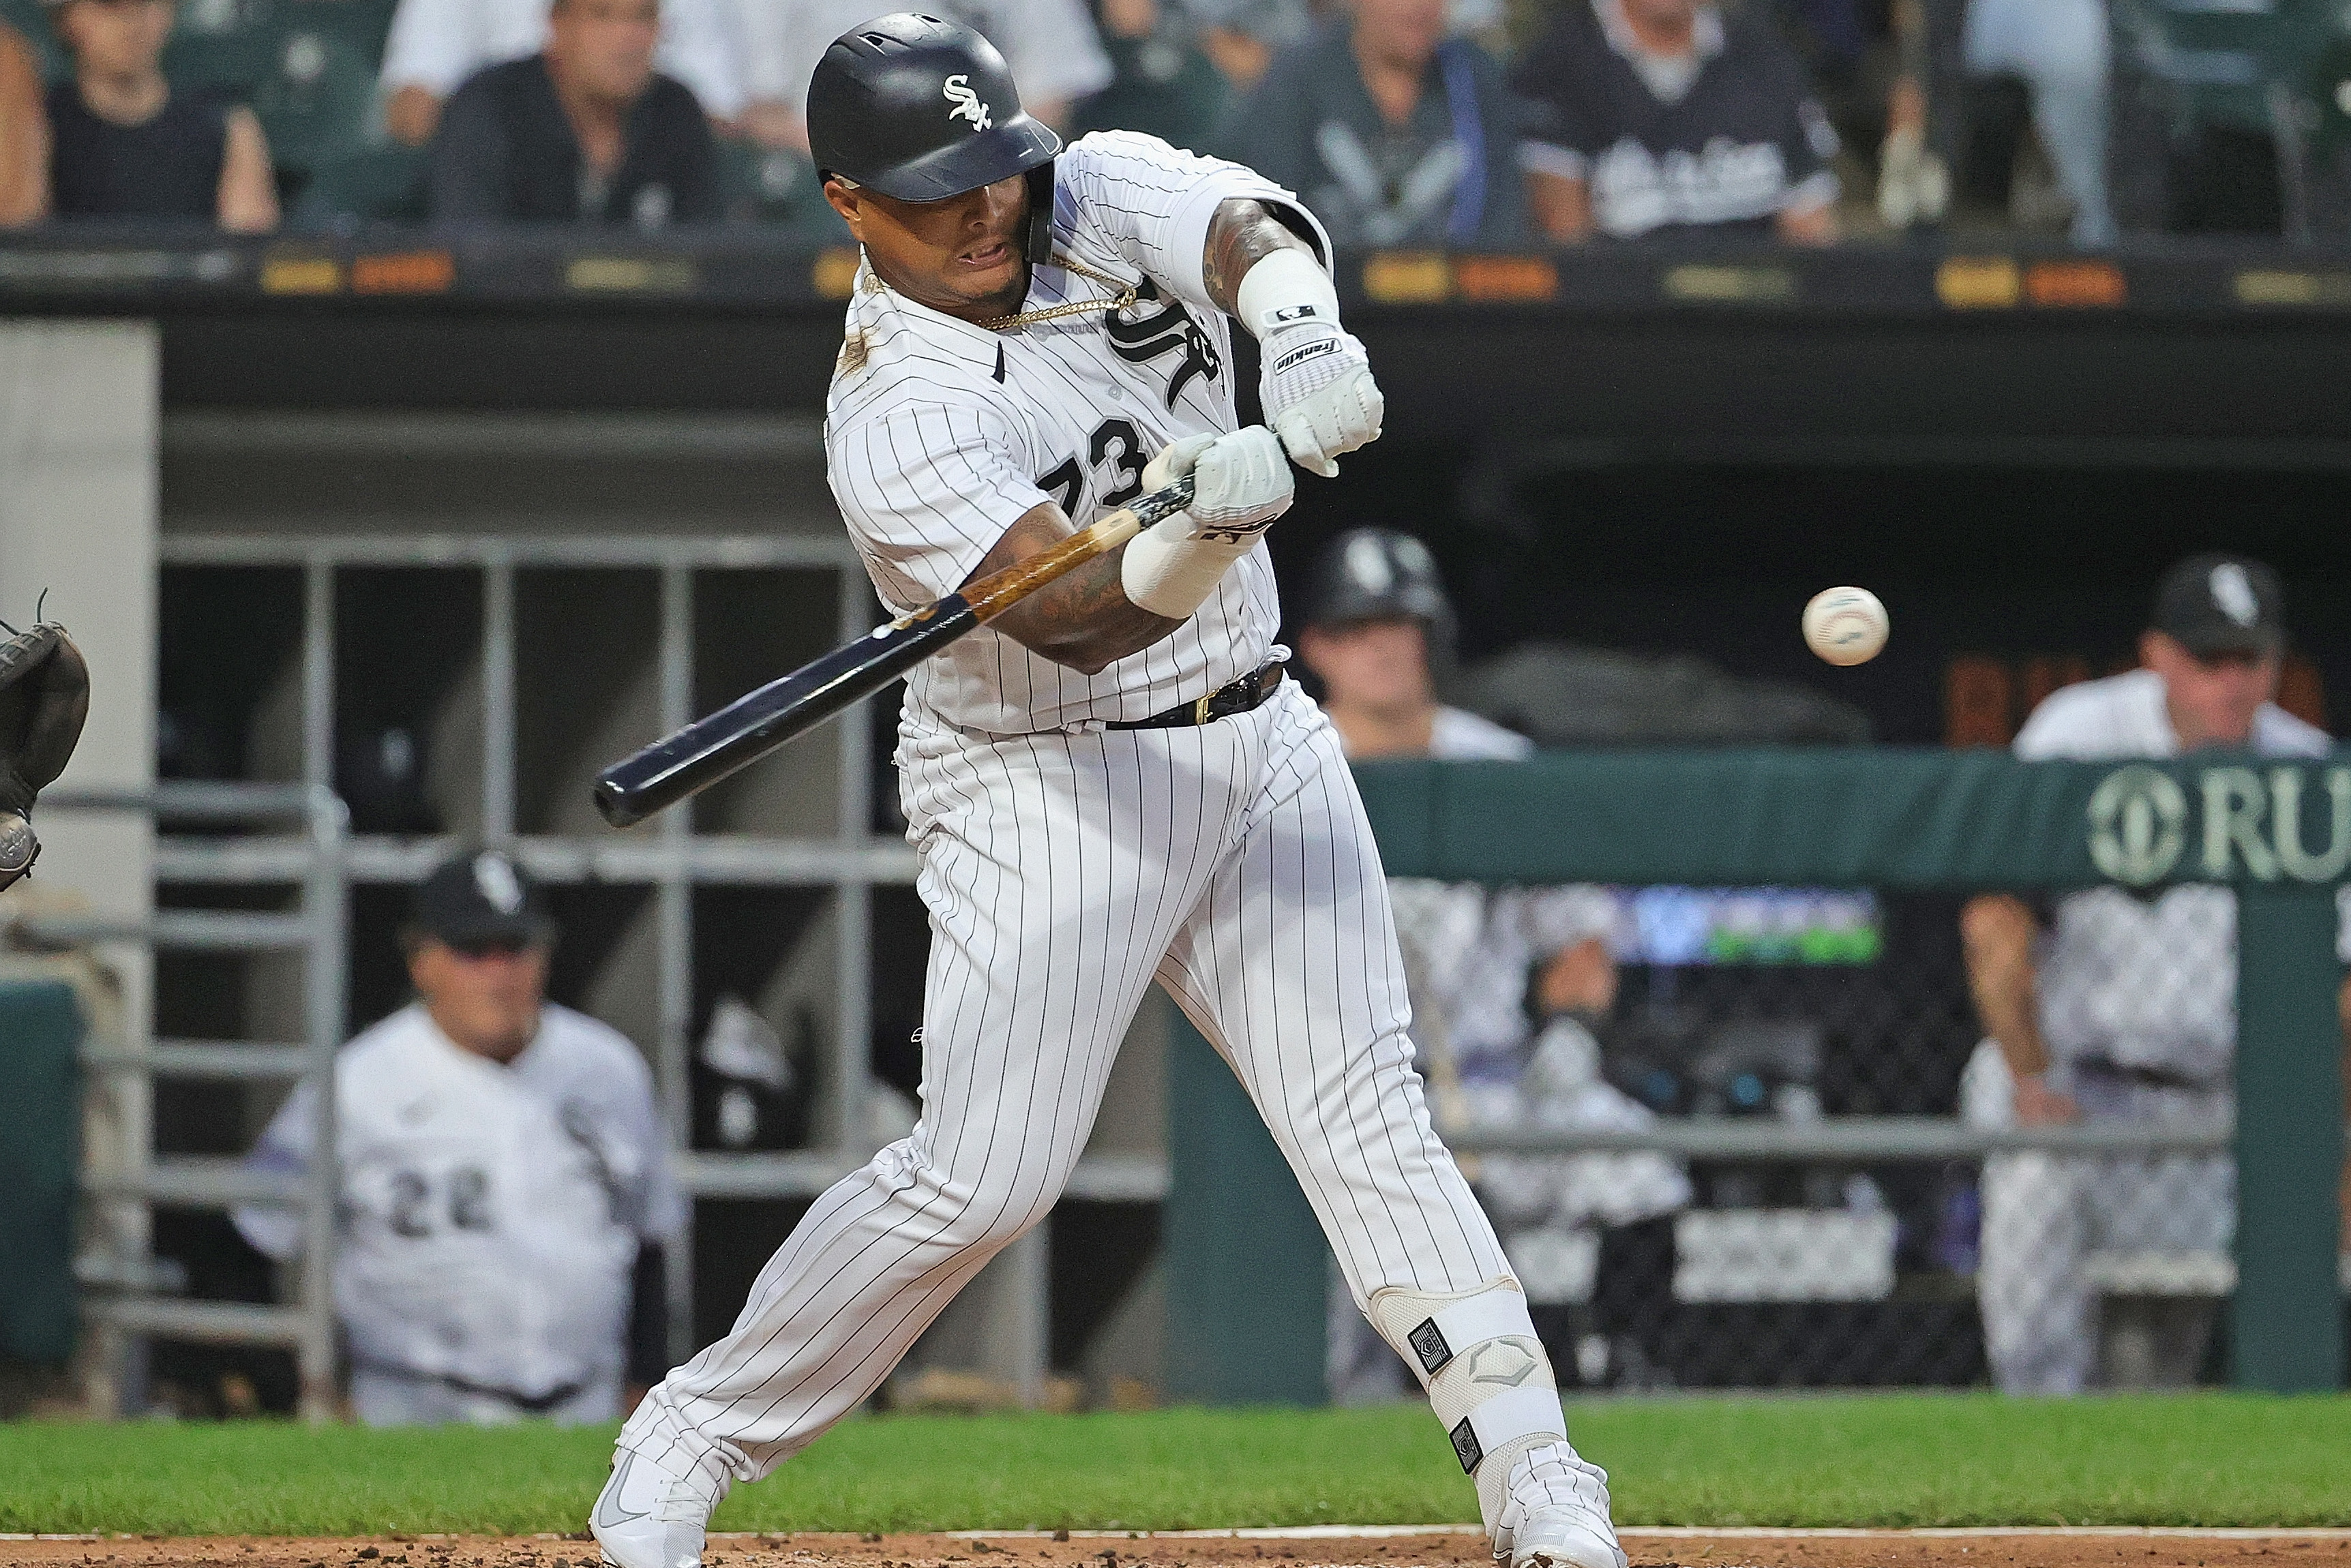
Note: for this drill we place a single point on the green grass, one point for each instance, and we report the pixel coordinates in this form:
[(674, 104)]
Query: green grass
[(1882, 1460)]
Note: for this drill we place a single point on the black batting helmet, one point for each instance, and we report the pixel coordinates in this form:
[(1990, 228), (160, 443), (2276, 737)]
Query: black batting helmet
[(922, 109), (1377, 574)]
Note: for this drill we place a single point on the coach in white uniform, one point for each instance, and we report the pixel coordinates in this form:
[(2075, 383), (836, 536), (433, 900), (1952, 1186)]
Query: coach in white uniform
[(2122, 1007), (1110, 784), (505, 1185)]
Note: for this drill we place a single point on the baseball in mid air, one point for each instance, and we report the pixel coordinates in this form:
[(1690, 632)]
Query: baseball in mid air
[(1845, 626)]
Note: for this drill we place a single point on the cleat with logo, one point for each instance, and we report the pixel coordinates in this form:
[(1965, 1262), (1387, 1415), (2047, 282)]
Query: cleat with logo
[(650, 1517)]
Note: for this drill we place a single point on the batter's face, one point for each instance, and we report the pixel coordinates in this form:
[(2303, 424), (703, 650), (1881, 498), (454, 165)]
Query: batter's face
[(2212, 702), (485, 997), (1378, 665), (961, 257)]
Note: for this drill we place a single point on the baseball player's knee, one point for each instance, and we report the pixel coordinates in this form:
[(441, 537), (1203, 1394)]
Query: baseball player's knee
[(1486, 1375)]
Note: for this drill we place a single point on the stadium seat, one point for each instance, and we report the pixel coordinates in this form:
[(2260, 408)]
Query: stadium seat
[(371, 185), (317, 93), (221, 45), (779, 189), (2233, 82)]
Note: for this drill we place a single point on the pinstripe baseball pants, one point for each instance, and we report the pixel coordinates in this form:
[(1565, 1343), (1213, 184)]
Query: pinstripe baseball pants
[(1063, 873)]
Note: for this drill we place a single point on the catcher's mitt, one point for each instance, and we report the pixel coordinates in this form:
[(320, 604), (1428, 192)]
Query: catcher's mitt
[(43, 698)]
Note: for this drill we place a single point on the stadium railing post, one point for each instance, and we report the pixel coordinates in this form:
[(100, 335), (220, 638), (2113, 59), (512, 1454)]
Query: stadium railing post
[(2287, 1318)]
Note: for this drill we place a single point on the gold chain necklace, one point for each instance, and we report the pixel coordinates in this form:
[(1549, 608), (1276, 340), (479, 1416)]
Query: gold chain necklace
[(1128, 295)]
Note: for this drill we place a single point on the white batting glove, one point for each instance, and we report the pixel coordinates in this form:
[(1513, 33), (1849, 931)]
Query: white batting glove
[(1318, 394), (1240, 482)]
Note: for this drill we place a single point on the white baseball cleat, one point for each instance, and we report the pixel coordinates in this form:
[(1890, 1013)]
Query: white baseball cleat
[(1557, 1516), (650, 1517)]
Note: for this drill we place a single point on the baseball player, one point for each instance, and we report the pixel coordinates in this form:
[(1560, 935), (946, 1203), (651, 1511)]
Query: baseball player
[(2122, 1006), (1110, 785), (1488, 964), (504, 1178)]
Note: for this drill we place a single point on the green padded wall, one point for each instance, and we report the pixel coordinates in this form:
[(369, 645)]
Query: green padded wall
[(40, 1141)]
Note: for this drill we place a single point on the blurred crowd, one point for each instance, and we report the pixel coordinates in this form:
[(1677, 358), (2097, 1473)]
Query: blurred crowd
[(1462, 122)]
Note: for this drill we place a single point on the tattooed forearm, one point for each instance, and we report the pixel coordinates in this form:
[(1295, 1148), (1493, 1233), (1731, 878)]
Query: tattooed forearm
[(1242, 235), (1082, 619)]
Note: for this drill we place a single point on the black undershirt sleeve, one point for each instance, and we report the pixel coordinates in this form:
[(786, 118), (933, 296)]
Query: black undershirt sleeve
[(648, 1317)]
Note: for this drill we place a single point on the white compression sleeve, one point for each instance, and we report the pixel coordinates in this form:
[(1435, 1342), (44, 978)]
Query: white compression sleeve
[(1288, 288), (1170, 573)]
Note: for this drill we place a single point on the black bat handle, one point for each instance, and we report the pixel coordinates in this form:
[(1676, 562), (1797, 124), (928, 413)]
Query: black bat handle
[(737, 735)]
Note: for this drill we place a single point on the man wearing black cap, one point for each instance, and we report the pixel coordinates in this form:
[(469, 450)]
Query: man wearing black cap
[(505, 1185), (2115, 1006)]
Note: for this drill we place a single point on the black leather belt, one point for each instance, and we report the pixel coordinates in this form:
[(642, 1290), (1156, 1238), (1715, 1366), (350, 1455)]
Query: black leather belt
[(1240, 696), (2144, 1077)]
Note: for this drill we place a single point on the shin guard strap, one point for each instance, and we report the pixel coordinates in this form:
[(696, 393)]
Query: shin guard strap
[(1490, 1427)]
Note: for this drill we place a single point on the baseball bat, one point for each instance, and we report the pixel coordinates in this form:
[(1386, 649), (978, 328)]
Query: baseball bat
[(753, 725)]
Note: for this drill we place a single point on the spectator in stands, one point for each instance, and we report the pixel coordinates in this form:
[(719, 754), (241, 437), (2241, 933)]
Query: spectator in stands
[(1667, 116), (24, 133), (123, 143), (1393, 133), (583, 131), (1050, 45), (2061, 50), (1507, 984), (1166, 81), (435, 45), (505, 1188), (2116, 1005)]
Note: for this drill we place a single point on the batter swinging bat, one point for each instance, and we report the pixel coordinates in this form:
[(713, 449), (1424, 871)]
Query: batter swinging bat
[(750, 727)]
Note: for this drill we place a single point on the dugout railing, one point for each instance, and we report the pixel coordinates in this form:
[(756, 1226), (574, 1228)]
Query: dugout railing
[(126, 1299), (1247, 1276)]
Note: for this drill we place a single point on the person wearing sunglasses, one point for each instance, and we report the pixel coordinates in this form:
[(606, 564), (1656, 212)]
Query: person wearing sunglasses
[(505, 1185)]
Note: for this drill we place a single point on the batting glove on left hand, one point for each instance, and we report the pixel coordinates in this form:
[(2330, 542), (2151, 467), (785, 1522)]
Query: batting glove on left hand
[(1318, 394), (1240, 482)]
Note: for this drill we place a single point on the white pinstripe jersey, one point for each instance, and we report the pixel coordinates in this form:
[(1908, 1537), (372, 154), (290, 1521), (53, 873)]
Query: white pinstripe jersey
[(940, 434)]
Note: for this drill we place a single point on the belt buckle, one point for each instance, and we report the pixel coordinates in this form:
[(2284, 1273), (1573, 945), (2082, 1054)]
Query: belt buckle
[(1201, 707)]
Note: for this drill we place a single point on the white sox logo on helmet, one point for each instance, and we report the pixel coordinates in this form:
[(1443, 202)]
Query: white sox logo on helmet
[(956, 89)]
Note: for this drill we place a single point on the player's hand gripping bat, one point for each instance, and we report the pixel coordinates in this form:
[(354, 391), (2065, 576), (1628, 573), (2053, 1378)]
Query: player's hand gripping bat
[(750, 727)]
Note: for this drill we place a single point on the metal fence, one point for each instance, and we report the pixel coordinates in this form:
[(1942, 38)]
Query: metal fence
[(126, 1296)]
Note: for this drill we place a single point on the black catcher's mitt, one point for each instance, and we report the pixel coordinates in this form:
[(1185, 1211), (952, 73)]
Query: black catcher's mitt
[(43, 698)]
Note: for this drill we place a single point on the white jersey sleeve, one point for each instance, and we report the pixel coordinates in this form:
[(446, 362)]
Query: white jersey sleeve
[(1131, 200), (436, 43), (927, 489), (283, 1149)]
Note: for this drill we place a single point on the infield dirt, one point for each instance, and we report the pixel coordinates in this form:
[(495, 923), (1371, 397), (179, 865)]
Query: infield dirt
[(1650, 1549)]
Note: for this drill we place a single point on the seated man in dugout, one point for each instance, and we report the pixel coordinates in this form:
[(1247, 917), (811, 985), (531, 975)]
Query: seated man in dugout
[(2120, 1005), (584, 131), (124, 144), (1659, 117), (503, 1185)]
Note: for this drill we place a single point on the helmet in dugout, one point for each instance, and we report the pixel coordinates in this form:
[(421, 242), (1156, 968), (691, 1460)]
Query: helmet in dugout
[(921, 110), (1377, 574)]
